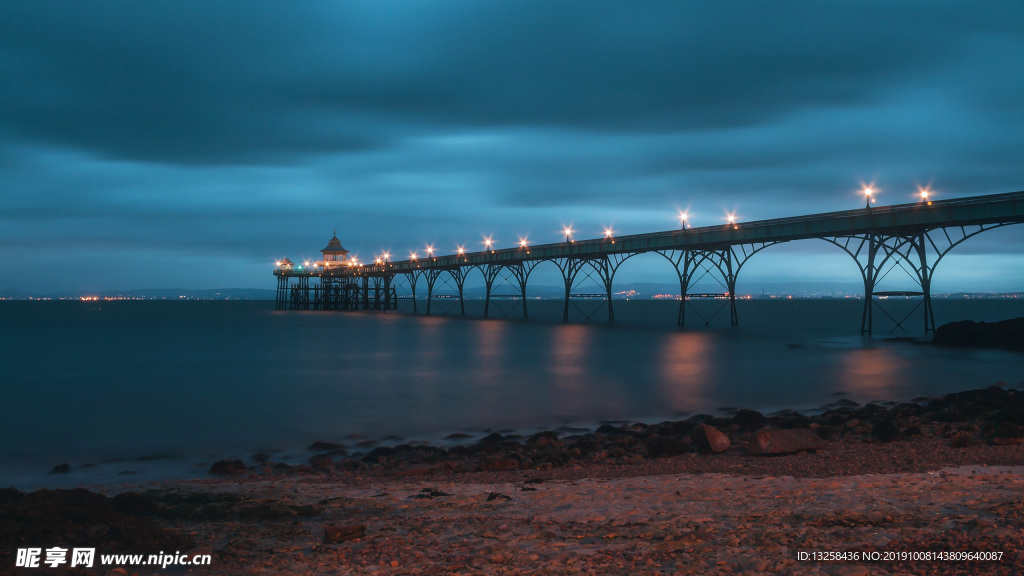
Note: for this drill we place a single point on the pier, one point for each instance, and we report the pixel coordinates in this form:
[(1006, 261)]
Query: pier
[(914, 236)]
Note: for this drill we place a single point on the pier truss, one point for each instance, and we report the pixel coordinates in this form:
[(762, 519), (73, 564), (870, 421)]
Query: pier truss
[(913, 252), (505, 286), (721, 264), (907, 240)]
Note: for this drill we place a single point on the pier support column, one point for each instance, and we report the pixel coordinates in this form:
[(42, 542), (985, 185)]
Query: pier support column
[(281, 300), (301, 295), (522, 288), (567, 280), (924, 274), (490, 271), (730, 285), (431, 277), (682, 262), (460, 280), (413, 277), (870, 273), (384, 288)]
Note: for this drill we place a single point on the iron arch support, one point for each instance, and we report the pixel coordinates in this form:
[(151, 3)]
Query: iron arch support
[(410, 278), (512, 274), (597, 269), (878, 251), (679, 258), (727, 261), (941, 246), (954, 241), (457, 275)]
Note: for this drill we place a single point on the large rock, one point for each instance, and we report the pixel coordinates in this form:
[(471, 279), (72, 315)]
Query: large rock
[(775, 441), (748, 420), (228, 467), (710, 439), (542, 439), (1005, 334), (885, 431)]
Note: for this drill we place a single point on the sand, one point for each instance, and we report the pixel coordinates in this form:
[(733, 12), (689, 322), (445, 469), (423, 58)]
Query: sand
[(742, 515)]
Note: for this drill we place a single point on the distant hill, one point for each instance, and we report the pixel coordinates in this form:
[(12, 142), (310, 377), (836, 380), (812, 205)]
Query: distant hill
[(156, 294)]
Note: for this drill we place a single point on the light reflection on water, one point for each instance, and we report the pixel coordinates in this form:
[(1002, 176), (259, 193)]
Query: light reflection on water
[(489, 352), (568, 365), (872, 373), (685, 368)]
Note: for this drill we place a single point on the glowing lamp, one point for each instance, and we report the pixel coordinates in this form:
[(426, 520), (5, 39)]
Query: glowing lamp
[(868, 198)]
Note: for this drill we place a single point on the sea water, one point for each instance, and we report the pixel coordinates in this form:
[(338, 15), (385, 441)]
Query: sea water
[(135, 390)]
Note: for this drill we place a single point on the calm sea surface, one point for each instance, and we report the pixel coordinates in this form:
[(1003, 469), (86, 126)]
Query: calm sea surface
[(134, 390)]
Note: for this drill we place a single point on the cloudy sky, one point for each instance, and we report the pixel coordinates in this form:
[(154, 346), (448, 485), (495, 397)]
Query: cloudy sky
[(179, 144)]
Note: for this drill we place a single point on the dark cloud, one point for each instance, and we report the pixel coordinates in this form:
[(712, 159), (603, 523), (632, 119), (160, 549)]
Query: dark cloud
[(241, 129), (211, 83)]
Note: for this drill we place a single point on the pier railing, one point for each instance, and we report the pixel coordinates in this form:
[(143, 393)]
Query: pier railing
[(919, 216)]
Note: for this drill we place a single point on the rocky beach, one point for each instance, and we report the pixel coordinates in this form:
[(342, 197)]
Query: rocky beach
[(922, 487)]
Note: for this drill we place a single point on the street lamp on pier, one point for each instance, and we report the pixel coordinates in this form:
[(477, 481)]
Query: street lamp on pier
[(868, 198)]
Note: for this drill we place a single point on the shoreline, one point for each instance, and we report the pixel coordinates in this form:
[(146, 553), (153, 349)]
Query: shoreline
[(989, 418), (952, 484)]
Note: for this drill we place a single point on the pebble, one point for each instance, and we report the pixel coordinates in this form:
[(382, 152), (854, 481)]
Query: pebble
[(635, 525)]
